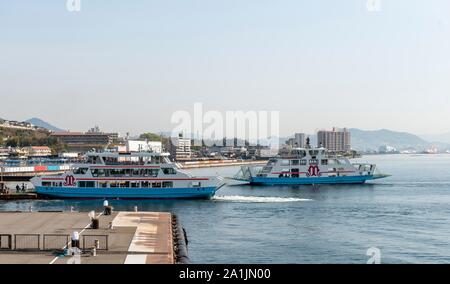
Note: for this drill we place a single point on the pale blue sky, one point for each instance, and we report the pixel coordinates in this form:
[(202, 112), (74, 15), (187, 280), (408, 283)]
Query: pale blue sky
[(128, 65)]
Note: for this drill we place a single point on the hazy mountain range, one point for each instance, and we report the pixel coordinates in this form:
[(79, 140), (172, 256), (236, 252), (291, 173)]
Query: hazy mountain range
[(443, 138), (39, 122), (363, 140)]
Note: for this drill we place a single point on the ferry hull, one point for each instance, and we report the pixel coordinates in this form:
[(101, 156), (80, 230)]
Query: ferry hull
[(311, 180), (127, 193)]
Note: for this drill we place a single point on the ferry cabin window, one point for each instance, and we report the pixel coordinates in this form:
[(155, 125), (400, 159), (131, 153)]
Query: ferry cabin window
[(294, 162), (303, 162), (103, 184), (113, 184), (313, 161), (167, 184), (134, 184), (46, 183), (80, 171), (156, 184), (98, 173), (86, 184), (324, 162), (146, 184), (156, 160), (150, 172), (196, 184), (124, 184), (111, 161), (169, 171)]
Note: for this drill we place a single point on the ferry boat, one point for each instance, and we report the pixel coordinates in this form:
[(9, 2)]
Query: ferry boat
[(137, 175), (306, 166)]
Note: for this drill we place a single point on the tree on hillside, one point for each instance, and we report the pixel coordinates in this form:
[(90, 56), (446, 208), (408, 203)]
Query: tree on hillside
[(150, 136)]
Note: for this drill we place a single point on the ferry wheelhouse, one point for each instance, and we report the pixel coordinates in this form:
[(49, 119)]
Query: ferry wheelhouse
[(299, 166), (126, 175)]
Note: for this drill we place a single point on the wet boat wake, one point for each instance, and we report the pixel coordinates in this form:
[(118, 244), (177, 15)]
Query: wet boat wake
[(257, 199)]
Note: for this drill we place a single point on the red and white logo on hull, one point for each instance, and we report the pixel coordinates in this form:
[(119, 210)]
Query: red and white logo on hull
[(69, 181), (313, 171)]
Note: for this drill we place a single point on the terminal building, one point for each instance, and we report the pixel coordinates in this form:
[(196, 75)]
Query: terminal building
[(336, 140), (82, 142)]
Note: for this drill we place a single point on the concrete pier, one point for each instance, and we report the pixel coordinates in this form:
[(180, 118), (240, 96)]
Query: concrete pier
[(122, 238)]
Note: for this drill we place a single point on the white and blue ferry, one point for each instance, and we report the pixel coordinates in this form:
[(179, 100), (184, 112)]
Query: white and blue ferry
[(306, 166), (136, 175)]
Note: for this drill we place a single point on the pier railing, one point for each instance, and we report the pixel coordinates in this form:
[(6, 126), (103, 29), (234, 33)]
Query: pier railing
[(55, 241), (5, 242), (27, 242), (49, 242), (98, 241)]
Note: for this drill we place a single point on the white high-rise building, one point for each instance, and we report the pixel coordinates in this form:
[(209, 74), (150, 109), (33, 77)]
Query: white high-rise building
[(298, 141)]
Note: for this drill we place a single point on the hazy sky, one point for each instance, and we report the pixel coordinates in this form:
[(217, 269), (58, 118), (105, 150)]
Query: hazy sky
[(128, 65)]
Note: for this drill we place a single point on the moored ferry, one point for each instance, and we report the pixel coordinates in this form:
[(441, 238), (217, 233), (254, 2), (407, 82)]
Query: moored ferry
[(126, 175), (299, 166)]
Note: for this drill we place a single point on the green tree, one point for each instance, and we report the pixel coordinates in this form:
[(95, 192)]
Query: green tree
[(150, 136)]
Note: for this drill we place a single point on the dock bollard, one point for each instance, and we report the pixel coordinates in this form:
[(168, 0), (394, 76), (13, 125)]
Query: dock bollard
[(107, 210), (94, 221)]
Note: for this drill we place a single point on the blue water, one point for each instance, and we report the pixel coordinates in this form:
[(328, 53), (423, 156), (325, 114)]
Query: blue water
[(406, 216)]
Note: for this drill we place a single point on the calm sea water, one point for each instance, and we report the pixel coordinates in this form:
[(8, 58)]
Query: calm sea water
[(406, 216)]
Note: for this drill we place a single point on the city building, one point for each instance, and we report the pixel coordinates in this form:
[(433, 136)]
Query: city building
[(82, 142), (298, 141), (38, 151), (179, 148), (146, 146), (387, 149), (336, 140)]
